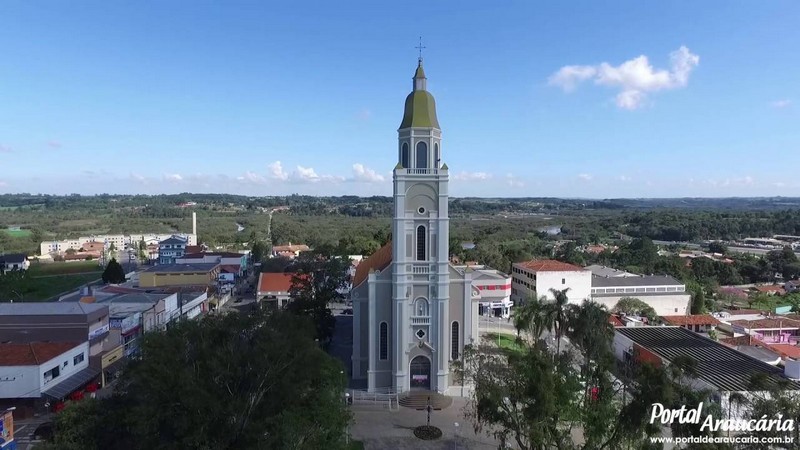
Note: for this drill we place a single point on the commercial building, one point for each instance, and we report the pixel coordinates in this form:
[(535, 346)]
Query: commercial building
[(538, 278), (205, 274), (234, 263), (720, 369), (666, 295), (492, 288), (25, 322), (37, 373), (169, 250)]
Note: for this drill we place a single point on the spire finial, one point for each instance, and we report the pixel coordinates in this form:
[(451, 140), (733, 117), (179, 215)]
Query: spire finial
[(420, 47)]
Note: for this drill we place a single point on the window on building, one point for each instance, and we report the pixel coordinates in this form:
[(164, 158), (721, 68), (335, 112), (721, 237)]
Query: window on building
[(52, 373), (454, 341), (77, 359), (422, 155), (436, 158), (384, 341), (404, 156), (563, 281), (421, 243), (421, 307)]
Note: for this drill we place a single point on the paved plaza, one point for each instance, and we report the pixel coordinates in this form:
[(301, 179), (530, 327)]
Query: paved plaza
[(379, 428)]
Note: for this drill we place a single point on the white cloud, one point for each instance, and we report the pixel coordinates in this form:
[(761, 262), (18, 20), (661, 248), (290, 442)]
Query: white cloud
[(585, 176), (276, 171), (365, 174), (3, 183), (514, 181), (634, 78), (472, 176), (784, 103), (732, 182), (5, 149), (252, 177), (624, 178), (309, 175), (173, 177)]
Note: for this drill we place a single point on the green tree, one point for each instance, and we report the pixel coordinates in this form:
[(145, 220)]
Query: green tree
[(258, 250), (224, 382), (717, 247), (113, 273), (317, 282), (636, 307)]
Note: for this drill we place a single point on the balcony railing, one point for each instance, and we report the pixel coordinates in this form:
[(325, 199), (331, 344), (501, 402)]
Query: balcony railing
[(420, 320), (420, 269), (422, 171)]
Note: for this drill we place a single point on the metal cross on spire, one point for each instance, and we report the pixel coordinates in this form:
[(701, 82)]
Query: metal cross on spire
[(420, 47)]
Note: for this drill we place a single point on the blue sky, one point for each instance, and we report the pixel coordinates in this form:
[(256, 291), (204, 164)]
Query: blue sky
[(569, 99)]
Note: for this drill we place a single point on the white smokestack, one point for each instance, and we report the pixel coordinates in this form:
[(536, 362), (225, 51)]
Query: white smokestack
[(194, 223)]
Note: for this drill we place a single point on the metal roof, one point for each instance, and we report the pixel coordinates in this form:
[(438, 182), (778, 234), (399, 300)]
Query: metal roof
[(646, 280), (176, 268), (717, 364), (48, 308)]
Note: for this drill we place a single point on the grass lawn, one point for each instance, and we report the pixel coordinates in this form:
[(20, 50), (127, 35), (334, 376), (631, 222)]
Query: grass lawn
[(40, 289), (62, 268), (18, 233), (505, 341)]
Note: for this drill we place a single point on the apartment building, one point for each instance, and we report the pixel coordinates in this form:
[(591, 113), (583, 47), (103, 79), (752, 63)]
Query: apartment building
[(536, 279)]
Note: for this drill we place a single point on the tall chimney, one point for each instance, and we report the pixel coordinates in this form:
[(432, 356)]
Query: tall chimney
[(194, 224)]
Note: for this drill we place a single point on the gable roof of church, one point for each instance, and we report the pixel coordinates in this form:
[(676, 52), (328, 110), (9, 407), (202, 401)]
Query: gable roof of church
[(377, 261)]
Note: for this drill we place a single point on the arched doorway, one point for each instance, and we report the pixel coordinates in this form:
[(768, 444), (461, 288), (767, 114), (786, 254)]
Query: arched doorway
[(420, 373)]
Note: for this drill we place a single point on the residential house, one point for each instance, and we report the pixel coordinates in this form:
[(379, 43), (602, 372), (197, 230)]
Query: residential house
[(273, 288), (290, 251), (13, 261), (699, 323), (171, 249), (720, 369)]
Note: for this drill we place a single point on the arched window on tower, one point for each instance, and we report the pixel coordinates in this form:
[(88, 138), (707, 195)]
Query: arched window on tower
[(384, 341), (436, 159), (454, 341), (421, 307), (422, 155), (404, 161), (421, 243)]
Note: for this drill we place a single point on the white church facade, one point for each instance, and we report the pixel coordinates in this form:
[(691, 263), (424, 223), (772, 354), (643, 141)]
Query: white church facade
[(413, 311)]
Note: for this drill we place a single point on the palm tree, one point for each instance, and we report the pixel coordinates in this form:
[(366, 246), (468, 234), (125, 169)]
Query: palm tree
[(558, 314), (531, 317)]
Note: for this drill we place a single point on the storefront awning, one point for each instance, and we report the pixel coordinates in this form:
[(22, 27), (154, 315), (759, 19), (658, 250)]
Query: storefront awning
[(66, 387)]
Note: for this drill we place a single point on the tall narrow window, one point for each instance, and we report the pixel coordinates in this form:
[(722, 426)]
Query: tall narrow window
[(404, 156), (436, 159), (384, 344), (420, 243), (422, 155), (454, 341)]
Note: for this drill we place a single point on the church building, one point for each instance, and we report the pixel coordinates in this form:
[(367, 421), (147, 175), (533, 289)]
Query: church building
[(414, 311)]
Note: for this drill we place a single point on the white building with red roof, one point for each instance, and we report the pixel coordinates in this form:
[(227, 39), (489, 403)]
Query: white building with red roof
[(538, 277), (274, 288)]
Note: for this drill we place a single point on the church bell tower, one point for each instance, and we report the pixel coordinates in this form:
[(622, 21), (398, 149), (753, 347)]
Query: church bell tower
[(420, 246)]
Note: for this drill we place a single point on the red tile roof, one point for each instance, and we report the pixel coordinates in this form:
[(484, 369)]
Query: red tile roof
[(614, 320), (699, 319), (275, 282), (378, 261), (771, 323), (786, 350), (230, 268), (32, 354), (549, 265), (774, 289)]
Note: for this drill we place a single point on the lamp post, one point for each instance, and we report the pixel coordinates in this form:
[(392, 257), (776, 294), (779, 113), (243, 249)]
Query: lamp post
[(455, 440)]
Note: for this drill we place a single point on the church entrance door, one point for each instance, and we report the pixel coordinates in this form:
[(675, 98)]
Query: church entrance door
[(421, 373)]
